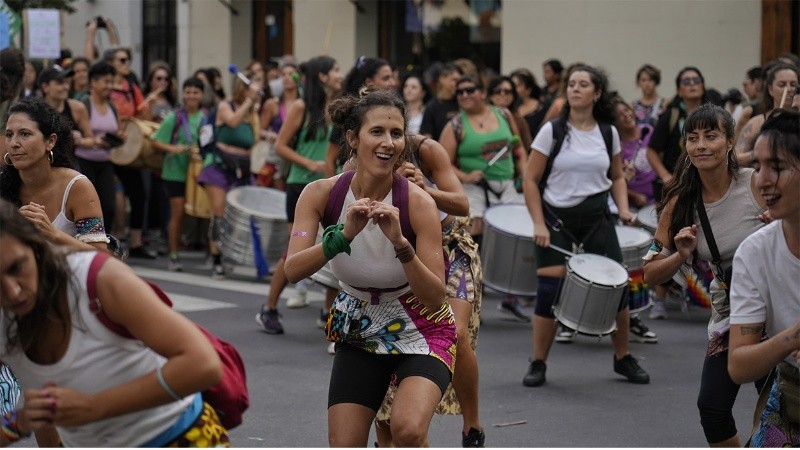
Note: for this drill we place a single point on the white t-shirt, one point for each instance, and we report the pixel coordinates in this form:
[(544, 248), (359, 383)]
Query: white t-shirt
[(580, 168), (765, 287)]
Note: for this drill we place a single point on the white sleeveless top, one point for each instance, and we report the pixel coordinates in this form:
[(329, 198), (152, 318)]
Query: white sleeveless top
[(372, 262), (61, 222), (96, 359)]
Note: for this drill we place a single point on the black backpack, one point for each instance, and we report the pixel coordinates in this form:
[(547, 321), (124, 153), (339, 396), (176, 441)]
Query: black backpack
[(558, 140)]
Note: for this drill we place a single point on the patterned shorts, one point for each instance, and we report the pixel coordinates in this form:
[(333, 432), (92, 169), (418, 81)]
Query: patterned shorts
[(206, 432)]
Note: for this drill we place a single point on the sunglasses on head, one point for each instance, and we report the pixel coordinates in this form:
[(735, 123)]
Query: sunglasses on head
[(466, 91), (688, 81), (503, 91)]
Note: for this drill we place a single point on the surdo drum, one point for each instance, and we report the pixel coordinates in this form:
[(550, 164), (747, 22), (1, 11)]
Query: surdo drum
[(137, 150), (507, 251), (648, 218), (634, 243), (591, 294), (254, 214)]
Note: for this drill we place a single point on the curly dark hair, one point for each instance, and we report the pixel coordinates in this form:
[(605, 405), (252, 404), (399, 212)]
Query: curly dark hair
[(49, 122), (53, 279), (348, 113)]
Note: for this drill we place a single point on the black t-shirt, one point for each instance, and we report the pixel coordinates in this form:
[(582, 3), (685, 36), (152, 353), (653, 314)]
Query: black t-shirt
[(437, 114), (666, 141)]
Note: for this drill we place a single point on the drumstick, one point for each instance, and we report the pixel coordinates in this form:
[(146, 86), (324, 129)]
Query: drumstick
[(559, 249), (783, 97), (327, 42)]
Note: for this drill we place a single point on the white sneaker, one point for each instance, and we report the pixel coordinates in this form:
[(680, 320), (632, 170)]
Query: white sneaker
[(299, 300), (332, 348), (659, 309)]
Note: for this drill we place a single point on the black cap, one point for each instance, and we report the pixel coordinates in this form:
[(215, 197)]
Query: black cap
[(54, 72)]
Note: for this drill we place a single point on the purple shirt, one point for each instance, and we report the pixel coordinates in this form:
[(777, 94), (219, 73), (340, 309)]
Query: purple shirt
[(636, 150)]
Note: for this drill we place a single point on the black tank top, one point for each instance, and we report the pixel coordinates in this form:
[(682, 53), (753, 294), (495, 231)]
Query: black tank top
[(67, 112)]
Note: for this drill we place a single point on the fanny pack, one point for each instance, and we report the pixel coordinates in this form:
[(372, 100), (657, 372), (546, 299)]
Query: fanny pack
[(233, 165)]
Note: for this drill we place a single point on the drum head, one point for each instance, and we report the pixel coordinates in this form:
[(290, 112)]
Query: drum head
[(130, 150), (598, 269), (512, 218), (631, 237), (258, 201), (647, 217)]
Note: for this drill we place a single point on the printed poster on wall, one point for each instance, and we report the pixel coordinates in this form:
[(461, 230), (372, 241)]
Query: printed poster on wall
[(42, 33)]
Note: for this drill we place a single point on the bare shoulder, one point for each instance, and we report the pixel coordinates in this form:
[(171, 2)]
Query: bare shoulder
[(77, 107), (418, 199)]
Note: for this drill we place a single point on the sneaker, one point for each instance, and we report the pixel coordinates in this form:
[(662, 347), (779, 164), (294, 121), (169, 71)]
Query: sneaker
[(535, 375), (299, 300), (511, 306), (270, 319), (141, 252), (565, 335), (175, 264), (629, 368), (331, 348), (473, 438), (659, 309), (219, 272), (640, 333), (322, 320)]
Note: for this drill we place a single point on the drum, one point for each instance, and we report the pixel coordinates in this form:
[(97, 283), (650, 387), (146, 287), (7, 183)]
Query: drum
[(254, 215), (591, 294), (507, 251), (197, 203), (647, 218), (634, 243), (137, 150)]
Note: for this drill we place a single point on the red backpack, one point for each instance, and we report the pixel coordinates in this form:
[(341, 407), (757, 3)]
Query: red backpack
[(229, 397)]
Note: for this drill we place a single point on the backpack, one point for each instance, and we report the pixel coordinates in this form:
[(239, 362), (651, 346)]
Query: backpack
[(558, 140), (230, 397), (333, 209)]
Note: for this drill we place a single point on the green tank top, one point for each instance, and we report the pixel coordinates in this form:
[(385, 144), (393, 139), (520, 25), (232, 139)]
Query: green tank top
[(314, 150), (477, 149)]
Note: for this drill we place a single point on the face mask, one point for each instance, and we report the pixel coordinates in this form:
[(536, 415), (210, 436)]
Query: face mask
[(276, 87)]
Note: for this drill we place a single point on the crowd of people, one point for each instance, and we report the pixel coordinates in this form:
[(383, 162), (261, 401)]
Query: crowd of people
[(355, 151)]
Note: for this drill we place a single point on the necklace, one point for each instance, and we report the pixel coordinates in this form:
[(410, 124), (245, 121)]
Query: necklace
[(483, 118)]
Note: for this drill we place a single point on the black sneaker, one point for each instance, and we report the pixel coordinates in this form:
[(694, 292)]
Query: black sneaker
[(141, 252), (473, 439), (270, 320), (535, 375), (565, 335), (629, 368), (640, 333), (512, 307)]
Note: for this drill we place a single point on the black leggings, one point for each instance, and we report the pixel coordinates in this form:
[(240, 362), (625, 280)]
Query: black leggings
[(101, 174), (134, 189), (717, 395)]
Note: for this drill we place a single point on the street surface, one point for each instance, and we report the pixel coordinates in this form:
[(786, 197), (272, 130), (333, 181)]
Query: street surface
[(583, 404)]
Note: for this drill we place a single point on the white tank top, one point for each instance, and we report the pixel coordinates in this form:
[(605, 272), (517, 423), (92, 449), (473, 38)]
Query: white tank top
[(96, 359), (61, 222), (372, 262)]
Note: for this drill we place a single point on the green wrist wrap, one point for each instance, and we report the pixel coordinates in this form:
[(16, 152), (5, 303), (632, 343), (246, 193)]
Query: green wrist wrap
[(334, 242)]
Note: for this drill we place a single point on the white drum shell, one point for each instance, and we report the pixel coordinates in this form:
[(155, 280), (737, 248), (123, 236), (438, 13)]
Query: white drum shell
[(507, 250), (648, 218), (589, 304), (267, 207), (634, 243)]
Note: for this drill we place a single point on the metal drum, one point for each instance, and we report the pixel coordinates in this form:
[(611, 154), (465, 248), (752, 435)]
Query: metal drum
[(507, 251), (591, 294), (648, 218), (634, 243), (254, 213)]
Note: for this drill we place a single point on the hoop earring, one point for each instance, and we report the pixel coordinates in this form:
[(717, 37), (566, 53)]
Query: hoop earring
[(7, 160), (50, 156)]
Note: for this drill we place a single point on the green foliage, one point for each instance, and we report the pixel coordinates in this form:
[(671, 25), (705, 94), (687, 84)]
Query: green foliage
[(19, 5)]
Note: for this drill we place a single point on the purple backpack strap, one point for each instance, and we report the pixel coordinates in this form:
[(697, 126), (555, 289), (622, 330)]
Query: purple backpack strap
[(400, 201), (333, 209)]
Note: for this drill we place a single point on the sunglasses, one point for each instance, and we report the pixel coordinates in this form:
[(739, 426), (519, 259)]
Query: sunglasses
[(160, 78), (691, 80), (123, 60), (503, 91), (466, 91)]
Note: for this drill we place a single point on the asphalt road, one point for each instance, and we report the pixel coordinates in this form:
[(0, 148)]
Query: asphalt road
[(583, 404)]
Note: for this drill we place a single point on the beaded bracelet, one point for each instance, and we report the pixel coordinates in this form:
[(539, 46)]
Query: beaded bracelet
[(10, 429), (405, 254), (334, 242)]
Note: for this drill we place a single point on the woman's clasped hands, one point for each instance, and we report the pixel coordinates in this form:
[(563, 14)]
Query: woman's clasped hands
[(386, 216)]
